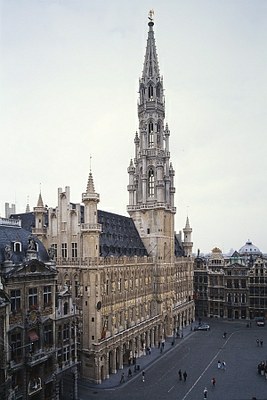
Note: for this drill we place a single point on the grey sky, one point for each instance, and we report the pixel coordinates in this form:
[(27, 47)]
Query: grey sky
[(69, 83)]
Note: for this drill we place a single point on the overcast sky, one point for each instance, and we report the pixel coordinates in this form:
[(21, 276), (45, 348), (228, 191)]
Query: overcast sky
[(69, 89)]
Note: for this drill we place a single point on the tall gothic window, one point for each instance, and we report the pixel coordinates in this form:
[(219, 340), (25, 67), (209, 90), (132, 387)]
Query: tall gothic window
[(158, 134), (158, 91), (64, 251), (74, 250), (150, 91), (150, 135), (151, 183)]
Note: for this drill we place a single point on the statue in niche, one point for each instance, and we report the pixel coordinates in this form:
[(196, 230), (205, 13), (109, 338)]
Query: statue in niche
[(31, 243), (51, 253), (7, 252)]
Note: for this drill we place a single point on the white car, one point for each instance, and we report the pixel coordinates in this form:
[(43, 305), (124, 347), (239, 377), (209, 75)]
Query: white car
[(203, 327)]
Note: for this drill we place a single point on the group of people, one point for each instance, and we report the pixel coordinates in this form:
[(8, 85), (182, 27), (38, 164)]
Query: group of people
[(182, 376), (262, 368), (221, 365), (130, 374), (259, 342)]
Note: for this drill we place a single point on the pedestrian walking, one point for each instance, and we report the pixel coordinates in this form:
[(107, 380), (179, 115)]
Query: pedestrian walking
[(205, 393), (122, 378), (180, 375), (213, 381), (219, 364), (185, 376), (258, 342), (224, 335), (224, 365), (129, 373), (261, 342), (143, 376)]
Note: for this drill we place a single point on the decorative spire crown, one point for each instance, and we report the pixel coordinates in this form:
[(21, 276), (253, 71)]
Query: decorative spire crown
[(90, 184), (151, 65), (40, 201)]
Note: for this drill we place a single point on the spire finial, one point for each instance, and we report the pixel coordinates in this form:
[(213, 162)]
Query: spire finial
[(90, 163), (151, 15), (28, 206)]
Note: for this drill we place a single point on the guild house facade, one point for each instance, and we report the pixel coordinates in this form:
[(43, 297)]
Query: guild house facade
[(131, 278), (38, 328), (231, 287)]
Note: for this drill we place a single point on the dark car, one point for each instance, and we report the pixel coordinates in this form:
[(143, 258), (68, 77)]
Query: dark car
[(202, 327)]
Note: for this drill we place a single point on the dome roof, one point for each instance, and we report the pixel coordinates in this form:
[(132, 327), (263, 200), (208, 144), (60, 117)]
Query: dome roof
[(249, 249)]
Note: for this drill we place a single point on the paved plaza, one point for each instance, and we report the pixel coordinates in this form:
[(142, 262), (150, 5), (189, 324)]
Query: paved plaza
[(198, 354)]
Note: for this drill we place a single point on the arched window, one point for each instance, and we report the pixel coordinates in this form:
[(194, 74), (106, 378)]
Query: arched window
[(17, 246), (151, 183)]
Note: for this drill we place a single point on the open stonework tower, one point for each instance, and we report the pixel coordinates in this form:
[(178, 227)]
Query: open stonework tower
[(151, 187)]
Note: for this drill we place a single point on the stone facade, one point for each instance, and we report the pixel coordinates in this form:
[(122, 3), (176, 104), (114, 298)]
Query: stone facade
[(131, 278)]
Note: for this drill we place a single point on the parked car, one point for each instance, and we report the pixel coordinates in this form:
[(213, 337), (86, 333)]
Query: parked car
[(260, 321), (202, 327)]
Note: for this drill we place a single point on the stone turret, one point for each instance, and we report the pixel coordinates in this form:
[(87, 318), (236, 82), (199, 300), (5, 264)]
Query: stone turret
[(187, 243), (90, 229), (40, 213)]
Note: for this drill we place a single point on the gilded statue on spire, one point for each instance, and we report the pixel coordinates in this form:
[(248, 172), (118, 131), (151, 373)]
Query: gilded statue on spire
[(151, 15)]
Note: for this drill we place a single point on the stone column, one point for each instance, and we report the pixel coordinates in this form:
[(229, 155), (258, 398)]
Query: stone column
[(114, 357), (107, 366), (152, 337), (139, 345), (75, 383), (121, 357)]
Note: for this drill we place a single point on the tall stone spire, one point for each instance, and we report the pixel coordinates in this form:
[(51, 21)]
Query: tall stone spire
[(151, 189), (151, 65)]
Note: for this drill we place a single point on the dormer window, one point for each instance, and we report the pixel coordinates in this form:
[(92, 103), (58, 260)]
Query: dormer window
[(17, 247)]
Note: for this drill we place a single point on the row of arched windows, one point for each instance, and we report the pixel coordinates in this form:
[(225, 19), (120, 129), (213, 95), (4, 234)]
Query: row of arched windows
[(152, 92)]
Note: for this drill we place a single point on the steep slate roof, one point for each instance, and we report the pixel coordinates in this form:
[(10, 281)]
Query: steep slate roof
[(11, 234), (118, 237), (27, 220)]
